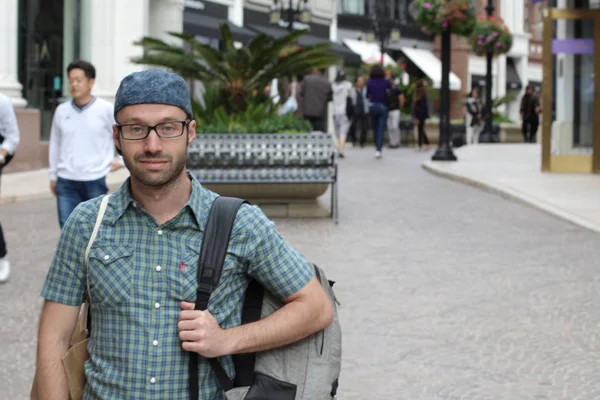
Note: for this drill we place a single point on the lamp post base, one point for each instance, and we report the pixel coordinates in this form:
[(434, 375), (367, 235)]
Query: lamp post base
[(444, 153)]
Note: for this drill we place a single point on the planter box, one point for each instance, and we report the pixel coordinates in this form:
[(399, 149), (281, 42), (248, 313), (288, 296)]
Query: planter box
[(511, 133), (284, 174)]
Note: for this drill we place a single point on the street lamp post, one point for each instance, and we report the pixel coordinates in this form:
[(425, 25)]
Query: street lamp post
[(444, 151), (290, 13), (383, 29), (487, 136)]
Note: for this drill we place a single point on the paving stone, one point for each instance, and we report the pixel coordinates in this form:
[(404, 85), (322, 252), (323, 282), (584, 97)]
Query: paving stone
[(447, 292)]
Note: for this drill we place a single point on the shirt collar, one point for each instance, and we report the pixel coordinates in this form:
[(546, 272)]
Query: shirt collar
[(199, 203)]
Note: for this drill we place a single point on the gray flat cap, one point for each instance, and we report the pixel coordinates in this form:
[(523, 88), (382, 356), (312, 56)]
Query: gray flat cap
[(154, 86)]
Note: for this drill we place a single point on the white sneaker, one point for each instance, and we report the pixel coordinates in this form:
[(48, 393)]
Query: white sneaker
[(4, 270), (377, 154)]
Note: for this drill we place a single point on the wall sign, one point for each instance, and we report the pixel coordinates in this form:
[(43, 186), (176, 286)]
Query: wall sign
[(572, 46)]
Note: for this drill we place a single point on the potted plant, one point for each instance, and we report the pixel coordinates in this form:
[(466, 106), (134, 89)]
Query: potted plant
[(233, 102), (435, 16), (491, 35)]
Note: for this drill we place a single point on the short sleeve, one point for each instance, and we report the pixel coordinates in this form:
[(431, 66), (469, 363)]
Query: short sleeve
[(270, 259), (65, 281)]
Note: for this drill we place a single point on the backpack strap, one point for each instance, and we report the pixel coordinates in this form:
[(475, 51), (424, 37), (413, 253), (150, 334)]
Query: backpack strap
[(210, 264), (251, 312)]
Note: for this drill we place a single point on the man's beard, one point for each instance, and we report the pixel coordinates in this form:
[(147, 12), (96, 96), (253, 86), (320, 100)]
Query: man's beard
[(156, 179)]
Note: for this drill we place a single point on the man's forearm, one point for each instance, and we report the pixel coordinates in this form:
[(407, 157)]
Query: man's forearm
[(50, 372), (289, 324)]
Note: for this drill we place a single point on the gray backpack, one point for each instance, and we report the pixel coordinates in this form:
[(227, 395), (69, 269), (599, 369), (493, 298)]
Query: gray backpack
[(305, 370)]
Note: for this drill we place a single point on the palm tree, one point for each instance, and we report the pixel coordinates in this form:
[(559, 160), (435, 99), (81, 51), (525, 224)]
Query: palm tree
[(241, 72)]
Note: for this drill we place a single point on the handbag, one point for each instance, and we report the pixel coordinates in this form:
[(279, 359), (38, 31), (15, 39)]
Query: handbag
[(77, 354), (349, 107)]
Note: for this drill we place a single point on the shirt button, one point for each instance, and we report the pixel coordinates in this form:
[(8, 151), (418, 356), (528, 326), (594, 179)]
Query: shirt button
[(160, 232), (158, 268), (155, 342), (106, 257), (153, 380), (157, 305)]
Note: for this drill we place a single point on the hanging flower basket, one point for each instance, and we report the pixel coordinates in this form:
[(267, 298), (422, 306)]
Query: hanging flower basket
[(435, 16), (365, 68), (491, 35)]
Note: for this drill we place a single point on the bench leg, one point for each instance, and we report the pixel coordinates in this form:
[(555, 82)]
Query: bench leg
[(334, 202)]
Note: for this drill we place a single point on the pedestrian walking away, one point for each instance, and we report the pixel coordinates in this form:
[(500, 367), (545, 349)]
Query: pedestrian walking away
[(81, 150), (141, 277), (343, 109), (421, 115), (9, 141), (377, 93), (360, 117), (315, 91), (530, 115), (474, 117)]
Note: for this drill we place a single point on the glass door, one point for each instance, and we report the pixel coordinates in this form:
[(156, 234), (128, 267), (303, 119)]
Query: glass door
[(571, 91)]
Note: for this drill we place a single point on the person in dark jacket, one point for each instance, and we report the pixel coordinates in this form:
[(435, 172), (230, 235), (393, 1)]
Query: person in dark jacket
[(530, 115), (360, 119), (377, 92), (421, 114), (316, 93)]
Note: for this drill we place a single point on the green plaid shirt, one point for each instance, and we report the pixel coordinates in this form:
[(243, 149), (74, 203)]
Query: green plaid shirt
[(140, 271)]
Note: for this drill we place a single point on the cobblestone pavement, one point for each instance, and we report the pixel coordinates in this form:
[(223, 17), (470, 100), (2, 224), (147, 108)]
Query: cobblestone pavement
[(447, 292)]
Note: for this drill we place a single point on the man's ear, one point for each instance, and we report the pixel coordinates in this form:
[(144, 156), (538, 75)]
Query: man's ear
[(117, 139), (191, 131)]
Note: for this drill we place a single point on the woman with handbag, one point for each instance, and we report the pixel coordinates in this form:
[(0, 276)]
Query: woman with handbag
[(9, 140), (473, 118)]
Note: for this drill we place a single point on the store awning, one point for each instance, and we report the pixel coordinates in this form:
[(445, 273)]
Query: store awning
[(431, 66), (350, 58), (203, 25), (513, 82), (368, 52)]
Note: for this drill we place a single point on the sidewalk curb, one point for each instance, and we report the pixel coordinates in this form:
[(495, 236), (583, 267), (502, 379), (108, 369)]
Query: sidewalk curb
[(6, 200), (511, 194)]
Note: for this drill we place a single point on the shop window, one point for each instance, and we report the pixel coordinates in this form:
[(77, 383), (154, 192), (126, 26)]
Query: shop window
[(357, 7)]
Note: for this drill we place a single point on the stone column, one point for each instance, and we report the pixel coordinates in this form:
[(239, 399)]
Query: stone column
[(109, 29), (166, 16), (236, 12), (9, 83)]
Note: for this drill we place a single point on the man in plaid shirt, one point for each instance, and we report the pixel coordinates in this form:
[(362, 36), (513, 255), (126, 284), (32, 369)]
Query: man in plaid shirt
[(142, 268)]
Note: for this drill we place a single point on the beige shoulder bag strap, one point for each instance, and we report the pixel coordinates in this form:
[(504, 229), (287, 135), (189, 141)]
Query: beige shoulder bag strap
[(99, 218)]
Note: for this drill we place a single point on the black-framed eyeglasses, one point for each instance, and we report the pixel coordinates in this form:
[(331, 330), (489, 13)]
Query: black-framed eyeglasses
[(167, 130)]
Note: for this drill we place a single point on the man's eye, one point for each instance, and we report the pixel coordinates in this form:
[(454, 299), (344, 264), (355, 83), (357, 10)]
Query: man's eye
[(136, 129)]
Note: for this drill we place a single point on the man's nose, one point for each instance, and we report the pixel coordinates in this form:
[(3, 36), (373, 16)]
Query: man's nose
[(152, 143)]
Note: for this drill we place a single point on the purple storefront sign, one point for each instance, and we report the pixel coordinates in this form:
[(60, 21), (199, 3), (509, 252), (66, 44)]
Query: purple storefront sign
[(573, 46)]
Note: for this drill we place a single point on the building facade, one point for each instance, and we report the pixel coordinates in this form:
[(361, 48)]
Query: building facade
[(571, 88), (39, 38), (511, 72)]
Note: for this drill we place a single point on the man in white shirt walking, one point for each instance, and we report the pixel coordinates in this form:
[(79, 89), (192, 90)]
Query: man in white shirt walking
[(81, 150), (9, 140)]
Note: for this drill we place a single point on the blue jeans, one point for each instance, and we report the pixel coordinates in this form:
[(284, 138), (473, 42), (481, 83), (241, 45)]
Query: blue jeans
[(70, 193), (379, 114)]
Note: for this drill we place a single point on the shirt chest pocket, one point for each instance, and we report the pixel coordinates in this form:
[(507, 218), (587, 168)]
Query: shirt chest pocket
[(110, 273), (183, 280)]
